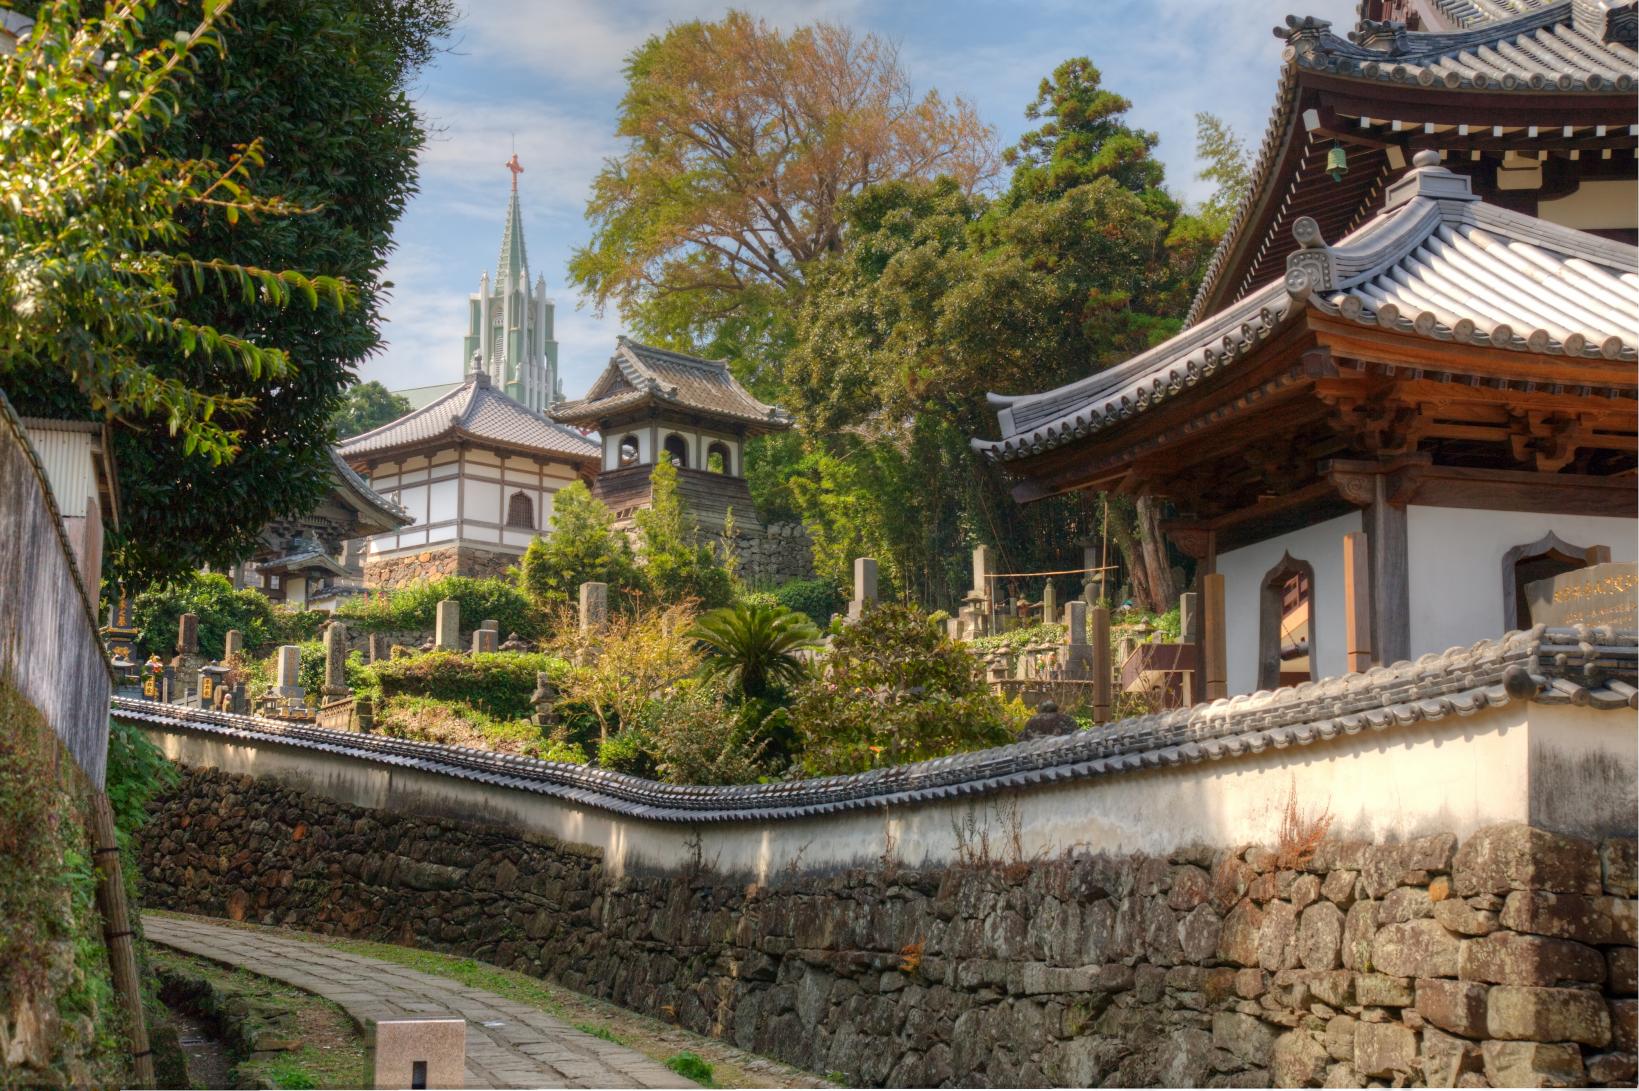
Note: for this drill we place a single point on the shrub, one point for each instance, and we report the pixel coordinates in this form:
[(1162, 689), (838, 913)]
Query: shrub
[(895, 689), (1019, 639), (497, 683), (213, 599), (455, 723), (818, 598), (678, 566), (629, 661), (582, 546), (691, 1067), (416, 606), (696, 738), (755, 648)]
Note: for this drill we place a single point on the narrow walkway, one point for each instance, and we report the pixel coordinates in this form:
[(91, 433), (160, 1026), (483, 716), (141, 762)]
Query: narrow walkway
[(508, 1044)]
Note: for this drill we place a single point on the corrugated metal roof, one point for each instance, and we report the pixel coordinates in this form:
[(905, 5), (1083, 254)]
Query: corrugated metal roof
[(67, 451), (1437, 262), (478, 410), (639, 374)]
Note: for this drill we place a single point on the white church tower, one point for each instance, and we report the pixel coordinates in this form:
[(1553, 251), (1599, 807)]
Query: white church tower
[(509, 323)]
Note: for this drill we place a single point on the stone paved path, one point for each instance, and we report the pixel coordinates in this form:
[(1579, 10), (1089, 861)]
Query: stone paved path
[(508, 1044)]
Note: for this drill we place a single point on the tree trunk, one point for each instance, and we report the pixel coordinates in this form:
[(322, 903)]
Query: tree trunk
[(1163, 593)]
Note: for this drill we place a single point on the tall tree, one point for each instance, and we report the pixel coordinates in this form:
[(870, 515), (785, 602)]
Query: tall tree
[(321, 86), (741, 143), (365, 406), (1227, 167)]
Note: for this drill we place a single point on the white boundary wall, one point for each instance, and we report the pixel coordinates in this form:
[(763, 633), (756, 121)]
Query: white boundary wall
[(1567, 767)]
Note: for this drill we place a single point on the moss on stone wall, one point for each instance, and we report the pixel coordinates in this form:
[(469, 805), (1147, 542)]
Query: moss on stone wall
[(60, 1023)]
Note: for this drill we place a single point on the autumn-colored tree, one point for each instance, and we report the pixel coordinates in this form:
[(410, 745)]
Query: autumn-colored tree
[(741, 142)]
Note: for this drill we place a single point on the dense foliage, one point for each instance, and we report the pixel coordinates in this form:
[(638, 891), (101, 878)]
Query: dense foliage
[(892, 689), (818, 598), (678, 565), (581, 546), (497, 683), (212, 598), (416, 607), (366, 406), (221, 400)]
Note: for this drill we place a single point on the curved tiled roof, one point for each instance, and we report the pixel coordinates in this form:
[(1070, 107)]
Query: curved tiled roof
[(1436, 262), (638, 375), (1553, 49), (474, 410), (388, 515), (1583, 666)]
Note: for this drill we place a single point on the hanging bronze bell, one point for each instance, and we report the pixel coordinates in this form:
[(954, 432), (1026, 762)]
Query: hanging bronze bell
[(1337, 162)]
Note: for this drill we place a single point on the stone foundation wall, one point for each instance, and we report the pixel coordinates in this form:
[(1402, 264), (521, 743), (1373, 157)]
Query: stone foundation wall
[(434, 564), (1508, 959), (783, 551)]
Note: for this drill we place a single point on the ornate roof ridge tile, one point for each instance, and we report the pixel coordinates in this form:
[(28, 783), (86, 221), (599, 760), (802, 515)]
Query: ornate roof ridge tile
[(1589, 666)]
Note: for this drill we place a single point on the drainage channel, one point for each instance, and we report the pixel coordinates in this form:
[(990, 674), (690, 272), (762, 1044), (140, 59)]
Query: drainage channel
[(209, 1062)]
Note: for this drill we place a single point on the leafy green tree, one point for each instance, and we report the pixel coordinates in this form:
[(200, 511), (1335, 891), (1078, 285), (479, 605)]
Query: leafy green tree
[(416, 606), (754, 648), (893, 689), (318, 90), (366, 406), (582, 546), (1228, 168), (212, 598), (676, 563), (741, 141), (1082, 138)]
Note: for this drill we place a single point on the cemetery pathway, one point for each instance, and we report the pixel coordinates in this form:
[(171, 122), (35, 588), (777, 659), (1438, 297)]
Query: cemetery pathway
[(508, 1044)]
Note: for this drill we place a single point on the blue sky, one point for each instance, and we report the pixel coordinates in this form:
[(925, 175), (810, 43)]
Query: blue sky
[(546, 75)]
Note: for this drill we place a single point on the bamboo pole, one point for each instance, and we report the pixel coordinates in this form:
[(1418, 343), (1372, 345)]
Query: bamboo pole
[(117, 933)]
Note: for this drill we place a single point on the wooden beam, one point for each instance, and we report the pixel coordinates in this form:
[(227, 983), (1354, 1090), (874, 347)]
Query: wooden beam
[(1357, 622), (1389, 577), (1214, 650), (1102, 666)]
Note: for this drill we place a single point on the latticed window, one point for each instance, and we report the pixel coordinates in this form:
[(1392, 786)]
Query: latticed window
[(520, 510)]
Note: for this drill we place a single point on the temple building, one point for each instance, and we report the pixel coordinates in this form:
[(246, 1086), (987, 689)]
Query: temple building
[(1409, 385), (476, 471), (650, 404), (311, 561), (509, 325)]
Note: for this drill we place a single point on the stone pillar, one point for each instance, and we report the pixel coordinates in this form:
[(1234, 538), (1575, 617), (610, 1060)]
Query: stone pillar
[(981, 571), (1049, 603), (376, 649), (1102, 667), (187, 635), (234, 646), (1093, 581), (1078, 654), (864, 587), (594, 605), (493, 626), (483, 640), (288, 671), (447, 631), (335, 661)]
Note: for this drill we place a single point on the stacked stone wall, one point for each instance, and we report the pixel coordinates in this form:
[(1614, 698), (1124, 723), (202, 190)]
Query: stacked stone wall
[(780, 552), (1509, 959), (434, 564)]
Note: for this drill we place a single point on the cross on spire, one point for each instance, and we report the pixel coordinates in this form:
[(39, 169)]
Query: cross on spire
[(516, 168)]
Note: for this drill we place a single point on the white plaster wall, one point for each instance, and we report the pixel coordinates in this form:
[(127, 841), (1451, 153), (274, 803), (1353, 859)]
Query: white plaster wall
[(1456, 774), (1243, 571), (1455, 565)]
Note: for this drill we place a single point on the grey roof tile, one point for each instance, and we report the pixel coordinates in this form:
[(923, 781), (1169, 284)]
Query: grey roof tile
[(475, 409), (1596, 667), (641, 374)]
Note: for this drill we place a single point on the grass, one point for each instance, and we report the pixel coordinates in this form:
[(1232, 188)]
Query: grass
[(332, 1049), (657, 1040), (691, 1067)]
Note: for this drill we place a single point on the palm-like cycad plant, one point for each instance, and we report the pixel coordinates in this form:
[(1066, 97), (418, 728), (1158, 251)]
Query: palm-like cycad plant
[(754, 647)]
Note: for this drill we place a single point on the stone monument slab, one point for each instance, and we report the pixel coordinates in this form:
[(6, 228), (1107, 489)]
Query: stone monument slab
[(1601, 594), (417, 1051)]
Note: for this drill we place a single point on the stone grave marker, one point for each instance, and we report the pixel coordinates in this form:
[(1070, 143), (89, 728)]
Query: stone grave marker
[(594, 605), (376, 646), (288, 672), (492, 625), (483, 641), (1049, 602), (187, 634), (234, 645), (335, 661), (447, 627), (864, 587)]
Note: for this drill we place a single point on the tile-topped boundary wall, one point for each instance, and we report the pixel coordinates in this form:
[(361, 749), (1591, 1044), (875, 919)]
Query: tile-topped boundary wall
[(1505, 958)]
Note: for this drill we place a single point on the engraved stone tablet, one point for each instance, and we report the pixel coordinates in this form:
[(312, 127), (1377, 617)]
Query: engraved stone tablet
[(1601, 594), (417, 1051)]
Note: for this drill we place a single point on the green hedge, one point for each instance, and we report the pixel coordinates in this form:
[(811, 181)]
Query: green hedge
[(498, 683), (416, 607), (818, 598)]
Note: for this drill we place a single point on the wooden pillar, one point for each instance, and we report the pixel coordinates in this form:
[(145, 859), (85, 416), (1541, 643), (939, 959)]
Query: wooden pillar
[(1101, 664), (1214, 649), (1390, 590), (1357, 618), (1599, 554)]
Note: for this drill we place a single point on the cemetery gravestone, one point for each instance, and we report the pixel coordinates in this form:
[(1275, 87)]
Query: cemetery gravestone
[(594, 605), (234, 646), (483, 641), (288, 667), (335, 661), (447, 627), (864, 587)]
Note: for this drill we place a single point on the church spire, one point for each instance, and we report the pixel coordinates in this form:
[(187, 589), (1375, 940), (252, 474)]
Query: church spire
[(513, 265)]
